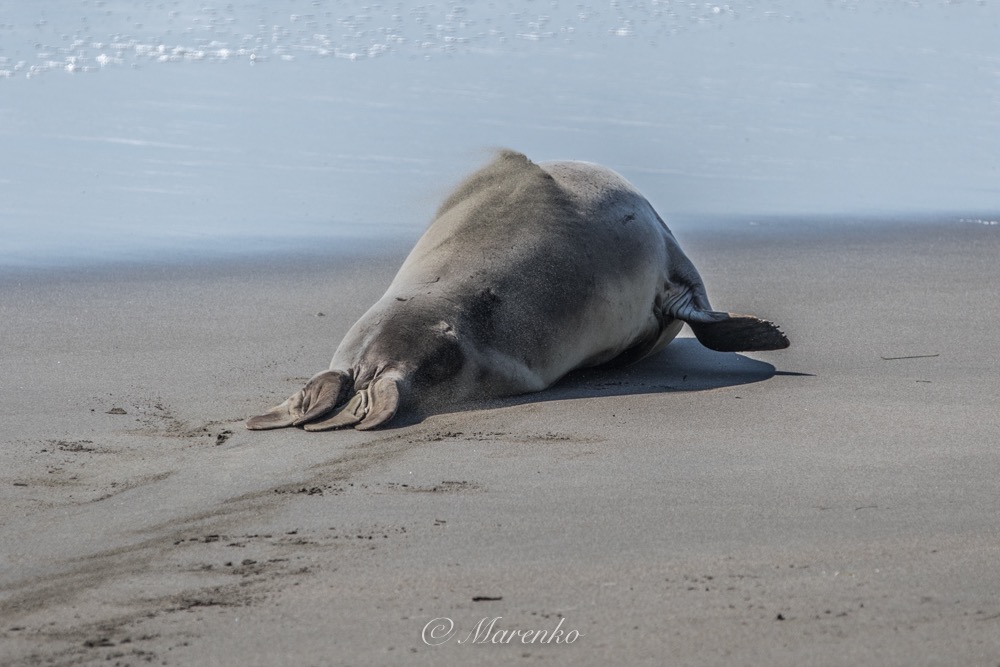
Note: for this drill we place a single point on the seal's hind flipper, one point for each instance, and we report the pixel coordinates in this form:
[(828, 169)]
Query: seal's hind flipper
[(324, 392), (384, 402), (279, 416), (368, 408), (739, 333), (349, 415)]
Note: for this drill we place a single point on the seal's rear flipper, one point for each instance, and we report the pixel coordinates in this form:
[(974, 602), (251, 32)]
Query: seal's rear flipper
[(739, 333), (384, 404), (279, 416), (321, 395), (349, 415), (368, 408)]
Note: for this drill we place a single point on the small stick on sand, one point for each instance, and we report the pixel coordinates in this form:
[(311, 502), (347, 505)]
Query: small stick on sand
[(912, 356)]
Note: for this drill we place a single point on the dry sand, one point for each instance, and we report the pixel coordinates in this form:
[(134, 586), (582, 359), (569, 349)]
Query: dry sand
[(835, 503)]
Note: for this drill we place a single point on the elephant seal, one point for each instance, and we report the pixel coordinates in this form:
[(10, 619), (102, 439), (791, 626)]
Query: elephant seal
[(527, 272)]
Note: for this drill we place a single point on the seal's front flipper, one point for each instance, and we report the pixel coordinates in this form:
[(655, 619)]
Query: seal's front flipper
[(321, 395), (738, 333)]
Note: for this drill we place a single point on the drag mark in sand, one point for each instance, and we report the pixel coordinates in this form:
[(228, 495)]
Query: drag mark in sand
[(208, 553), (198, 556)]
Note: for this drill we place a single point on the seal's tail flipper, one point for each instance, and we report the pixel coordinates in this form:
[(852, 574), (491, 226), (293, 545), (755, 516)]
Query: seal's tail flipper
[(738, 333)]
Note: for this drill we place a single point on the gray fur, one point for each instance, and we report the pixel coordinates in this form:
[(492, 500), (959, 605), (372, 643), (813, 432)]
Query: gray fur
[(527, 272)]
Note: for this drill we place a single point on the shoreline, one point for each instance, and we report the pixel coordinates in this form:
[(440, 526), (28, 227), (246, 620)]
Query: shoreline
[(220, 251)]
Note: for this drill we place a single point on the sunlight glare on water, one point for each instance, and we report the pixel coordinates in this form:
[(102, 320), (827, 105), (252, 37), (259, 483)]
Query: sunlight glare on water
[(132, 129)]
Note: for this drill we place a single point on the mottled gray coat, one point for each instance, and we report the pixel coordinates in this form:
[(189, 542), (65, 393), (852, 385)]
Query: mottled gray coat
[(528, 271)]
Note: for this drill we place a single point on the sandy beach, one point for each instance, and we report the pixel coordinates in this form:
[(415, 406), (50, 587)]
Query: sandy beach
[(198, 199), (834, 503)]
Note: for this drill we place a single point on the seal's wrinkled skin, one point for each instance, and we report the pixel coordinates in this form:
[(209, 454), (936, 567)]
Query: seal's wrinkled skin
[(528, 271)]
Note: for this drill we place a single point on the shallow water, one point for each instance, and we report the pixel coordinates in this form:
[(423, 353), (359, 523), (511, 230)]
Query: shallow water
[(133, 129)]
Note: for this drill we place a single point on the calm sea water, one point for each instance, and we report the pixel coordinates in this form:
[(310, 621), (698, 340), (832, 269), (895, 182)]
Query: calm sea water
[(133, 129)]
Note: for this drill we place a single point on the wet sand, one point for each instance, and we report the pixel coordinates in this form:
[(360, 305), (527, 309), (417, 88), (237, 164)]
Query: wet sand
[(835, 503)]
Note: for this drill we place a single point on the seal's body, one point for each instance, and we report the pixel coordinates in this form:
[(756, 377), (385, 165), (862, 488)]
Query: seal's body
[(528, 271)]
